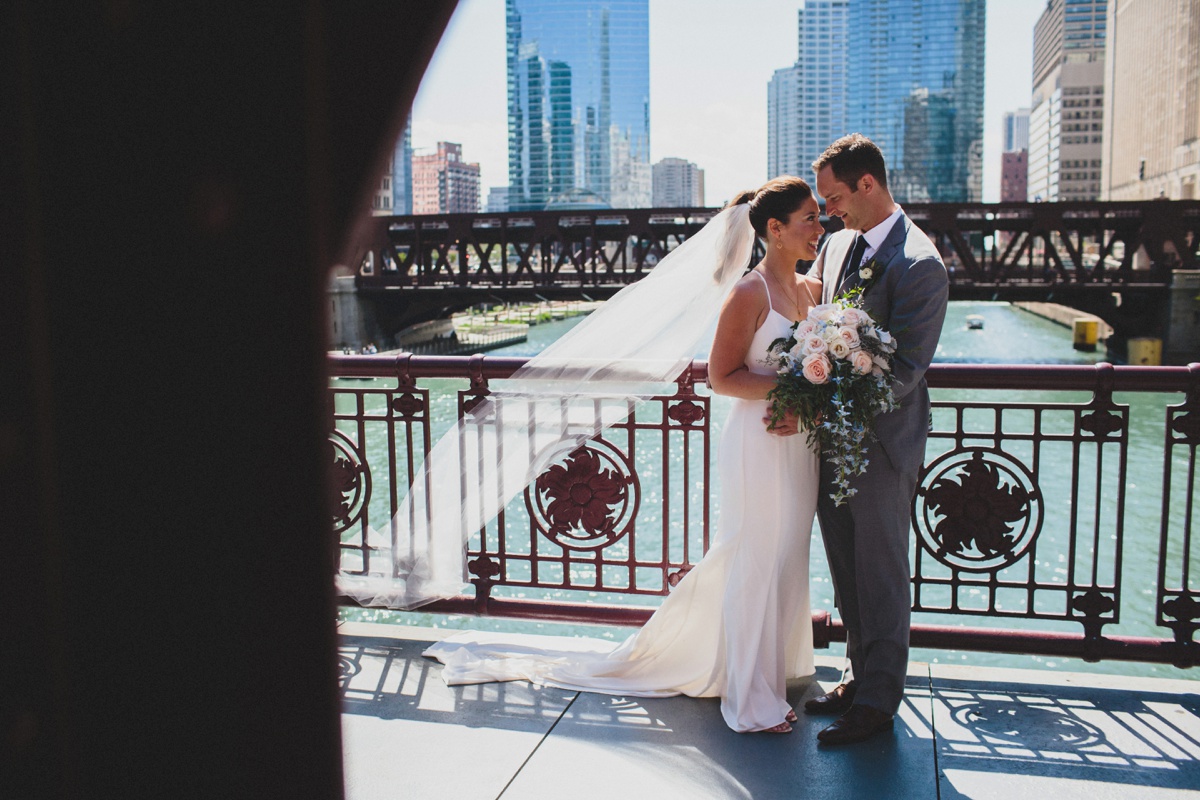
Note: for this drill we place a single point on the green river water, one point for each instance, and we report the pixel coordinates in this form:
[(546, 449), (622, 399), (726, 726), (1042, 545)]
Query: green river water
[(1009, 335)]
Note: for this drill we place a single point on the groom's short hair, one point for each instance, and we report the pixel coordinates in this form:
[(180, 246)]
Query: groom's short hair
[(851, 157)]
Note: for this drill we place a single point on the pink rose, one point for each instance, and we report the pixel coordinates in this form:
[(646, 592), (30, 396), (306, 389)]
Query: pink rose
[(814, 345), (816, 369), (849, 335), (854, 317), (862, 362), (804, 328)]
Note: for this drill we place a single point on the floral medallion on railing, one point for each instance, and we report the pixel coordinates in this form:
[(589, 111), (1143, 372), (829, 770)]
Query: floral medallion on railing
[(1102, 424), (1187, 426), (977, 510), (1183, 608), (587, 498), (409, 406), (349, 482), (687, 414)]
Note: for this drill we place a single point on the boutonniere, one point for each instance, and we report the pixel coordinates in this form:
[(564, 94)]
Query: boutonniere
[(869, 272)]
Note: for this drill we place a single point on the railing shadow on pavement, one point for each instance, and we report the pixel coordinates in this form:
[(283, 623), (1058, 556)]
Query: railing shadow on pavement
[(1140, 737)]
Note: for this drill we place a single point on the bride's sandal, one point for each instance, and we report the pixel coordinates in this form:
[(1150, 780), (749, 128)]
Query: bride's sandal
[(791, 716), (782, 727)]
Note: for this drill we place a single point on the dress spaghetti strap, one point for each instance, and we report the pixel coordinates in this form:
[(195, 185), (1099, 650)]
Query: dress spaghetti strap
[(761, 277)]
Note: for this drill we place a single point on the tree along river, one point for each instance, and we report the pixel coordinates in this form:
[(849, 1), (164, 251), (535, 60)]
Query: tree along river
[(1009, 335)]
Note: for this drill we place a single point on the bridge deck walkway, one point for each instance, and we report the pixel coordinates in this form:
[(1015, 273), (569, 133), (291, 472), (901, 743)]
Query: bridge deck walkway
[(962, 732)]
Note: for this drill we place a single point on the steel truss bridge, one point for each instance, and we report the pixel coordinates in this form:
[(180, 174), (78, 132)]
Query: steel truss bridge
[(1114, 260)]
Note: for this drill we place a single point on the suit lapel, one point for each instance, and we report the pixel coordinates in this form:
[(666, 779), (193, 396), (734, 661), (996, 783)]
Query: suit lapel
[(894, 241), (892, 245)]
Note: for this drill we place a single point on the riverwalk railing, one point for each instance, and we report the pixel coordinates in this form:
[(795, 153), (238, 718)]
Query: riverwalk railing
[(1019, 521)]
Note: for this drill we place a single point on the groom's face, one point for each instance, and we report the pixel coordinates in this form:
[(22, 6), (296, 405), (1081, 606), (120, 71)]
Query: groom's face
[(850, 207)]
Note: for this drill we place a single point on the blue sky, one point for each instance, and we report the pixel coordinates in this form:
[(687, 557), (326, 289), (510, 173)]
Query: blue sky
[(710, 61)]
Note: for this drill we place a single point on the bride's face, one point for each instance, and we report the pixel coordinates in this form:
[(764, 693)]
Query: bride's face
[(803, 230)]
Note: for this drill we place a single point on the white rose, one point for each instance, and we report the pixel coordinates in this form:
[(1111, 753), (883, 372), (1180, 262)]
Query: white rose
[(867, 273), (823, 312), (838, 348)]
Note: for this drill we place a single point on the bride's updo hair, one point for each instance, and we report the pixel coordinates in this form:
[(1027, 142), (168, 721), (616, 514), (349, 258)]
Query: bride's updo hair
[(775, 199)]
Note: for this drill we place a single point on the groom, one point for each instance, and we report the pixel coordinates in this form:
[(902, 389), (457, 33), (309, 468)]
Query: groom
[(905, 288)]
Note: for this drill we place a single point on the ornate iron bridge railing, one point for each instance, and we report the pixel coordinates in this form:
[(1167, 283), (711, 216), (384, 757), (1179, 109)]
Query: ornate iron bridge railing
[(1017, 250), (1019, 519)]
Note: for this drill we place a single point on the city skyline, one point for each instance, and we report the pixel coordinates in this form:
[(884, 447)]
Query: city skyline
[(578, 88), (914, 85), (710, 65)]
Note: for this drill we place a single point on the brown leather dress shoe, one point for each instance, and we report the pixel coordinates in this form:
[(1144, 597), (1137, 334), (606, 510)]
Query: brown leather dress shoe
[(836, 701), (856, 725)]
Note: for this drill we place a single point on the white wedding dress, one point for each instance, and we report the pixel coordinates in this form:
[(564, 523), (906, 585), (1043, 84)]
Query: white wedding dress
[(737, 626)]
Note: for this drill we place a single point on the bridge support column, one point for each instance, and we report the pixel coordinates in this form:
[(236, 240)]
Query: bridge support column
[(1183, 323), (350, 319)]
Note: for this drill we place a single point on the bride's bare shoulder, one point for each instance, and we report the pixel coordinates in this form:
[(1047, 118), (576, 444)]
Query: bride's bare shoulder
[(811, 282), (750, 285), (748, 295), (811, 287)]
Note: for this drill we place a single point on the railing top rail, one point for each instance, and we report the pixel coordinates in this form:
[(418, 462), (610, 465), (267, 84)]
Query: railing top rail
[(1071, 207), (1081, 377)]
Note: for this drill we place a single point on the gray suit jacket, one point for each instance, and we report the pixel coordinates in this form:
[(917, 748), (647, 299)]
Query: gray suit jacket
[(909, 300)]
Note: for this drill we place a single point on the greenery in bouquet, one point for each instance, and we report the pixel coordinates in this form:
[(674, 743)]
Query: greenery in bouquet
[(835, 374)]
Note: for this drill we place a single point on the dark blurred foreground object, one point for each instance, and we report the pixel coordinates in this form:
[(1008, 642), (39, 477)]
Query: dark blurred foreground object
[(176, 182)]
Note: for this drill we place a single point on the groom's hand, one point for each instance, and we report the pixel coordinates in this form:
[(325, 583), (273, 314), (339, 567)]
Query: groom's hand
[(788, 426)]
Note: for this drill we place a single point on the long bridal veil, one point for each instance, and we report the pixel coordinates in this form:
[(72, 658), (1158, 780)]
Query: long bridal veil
[(589, 379)]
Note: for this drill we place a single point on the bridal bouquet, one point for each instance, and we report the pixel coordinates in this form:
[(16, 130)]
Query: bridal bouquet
[(835, 374)]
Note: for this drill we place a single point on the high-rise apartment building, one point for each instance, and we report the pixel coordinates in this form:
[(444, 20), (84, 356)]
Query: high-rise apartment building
[(1151, 142), (907, 73), (443, 183), (678, 183), (578, 101), (807, 102), (497, 200), (1014, 176), (381, 203), (1067, 115), (1015, 133), (1014, 158), (394, 193)]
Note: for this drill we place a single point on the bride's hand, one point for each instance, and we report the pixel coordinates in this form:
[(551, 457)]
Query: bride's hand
[(788, 426)]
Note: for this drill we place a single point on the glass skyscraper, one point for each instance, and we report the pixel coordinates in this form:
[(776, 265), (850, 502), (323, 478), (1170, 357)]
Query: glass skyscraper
[(806, 103), (578, 102), (912, 82)]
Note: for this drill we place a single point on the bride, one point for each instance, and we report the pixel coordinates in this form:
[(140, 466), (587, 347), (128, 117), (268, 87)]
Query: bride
[(738, 625)]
